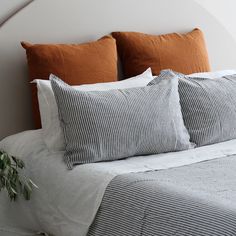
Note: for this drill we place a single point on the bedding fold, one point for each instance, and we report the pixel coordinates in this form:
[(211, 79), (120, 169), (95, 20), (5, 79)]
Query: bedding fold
[(67, 202), (167, 203)]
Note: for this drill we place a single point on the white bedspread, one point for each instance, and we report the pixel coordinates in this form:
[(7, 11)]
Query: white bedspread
[(67, 201)]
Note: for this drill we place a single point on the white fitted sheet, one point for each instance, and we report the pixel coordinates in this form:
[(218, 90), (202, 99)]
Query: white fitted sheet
[(67, 201)]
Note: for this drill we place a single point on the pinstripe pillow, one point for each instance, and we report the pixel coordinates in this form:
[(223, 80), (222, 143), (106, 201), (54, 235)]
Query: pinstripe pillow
[(208, 107), (115, 124)]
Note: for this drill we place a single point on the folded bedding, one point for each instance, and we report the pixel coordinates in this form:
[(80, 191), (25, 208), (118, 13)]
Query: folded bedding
[(191, 200), (67, 202)]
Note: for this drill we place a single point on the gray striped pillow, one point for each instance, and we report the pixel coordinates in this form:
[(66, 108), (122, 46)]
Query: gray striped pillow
[(208, 107), (115, 124)]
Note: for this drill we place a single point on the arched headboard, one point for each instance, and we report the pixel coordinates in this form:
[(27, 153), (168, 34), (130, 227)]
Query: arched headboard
[(76, 21)]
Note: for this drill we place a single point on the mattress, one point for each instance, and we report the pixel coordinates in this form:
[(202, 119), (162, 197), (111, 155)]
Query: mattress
[(68, 202)]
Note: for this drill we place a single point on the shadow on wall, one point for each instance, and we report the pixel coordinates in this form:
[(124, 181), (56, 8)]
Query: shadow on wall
[(9, 8)]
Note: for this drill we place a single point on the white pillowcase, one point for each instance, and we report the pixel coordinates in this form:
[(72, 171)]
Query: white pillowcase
[(213, 75), (52, 132)]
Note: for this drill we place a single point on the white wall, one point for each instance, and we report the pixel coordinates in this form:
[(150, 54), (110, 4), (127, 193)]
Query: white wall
[(224, 11), (9, 7)]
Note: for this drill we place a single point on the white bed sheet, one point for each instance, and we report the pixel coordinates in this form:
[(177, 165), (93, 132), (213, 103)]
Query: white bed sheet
[(67, 201)]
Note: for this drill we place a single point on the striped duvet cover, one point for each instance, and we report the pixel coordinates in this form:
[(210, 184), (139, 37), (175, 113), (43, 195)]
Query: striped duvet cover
[(198, 199)]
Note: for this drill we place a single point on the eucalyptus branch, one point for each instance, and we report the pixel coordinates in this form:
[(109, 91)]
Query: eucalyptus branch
[(11, 178)]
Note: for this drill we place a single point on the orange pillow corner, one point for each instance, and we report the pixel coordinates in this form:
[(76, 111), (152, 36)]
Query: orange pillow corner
[(25, 44)]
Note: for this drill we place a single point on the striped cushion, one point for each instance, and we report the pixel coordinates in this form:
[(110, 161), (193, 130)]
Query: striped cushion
[(115, 124), (208, 107)]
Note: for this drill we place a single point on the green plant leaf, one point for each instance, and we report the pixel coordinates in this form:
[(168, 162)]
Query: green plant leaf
[(5, 161), (27, 192), (19, 163), (33, 184), (12, 180)]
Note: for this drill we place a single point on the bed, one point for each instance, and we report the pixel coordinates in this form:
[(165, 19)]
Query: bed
[(189, 192), (51, 211)]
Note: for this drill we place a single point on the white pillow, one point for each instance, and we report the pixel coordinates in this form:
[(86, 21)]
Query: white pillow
[(52, 132), (213, 75)]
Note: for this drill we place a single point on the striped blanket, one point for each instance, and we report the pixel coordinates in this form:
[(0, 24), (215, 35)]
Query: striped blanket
[(198, 199)]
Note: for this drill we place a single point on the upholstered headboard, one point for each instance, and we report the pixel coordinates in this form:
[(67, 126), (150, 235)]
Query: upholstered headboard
[(58, 21)]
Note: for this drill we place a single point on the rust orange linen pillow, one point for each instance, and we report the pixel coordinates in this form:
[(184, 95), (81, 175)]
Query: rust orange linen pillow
[(76, 64), (185, 53)]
